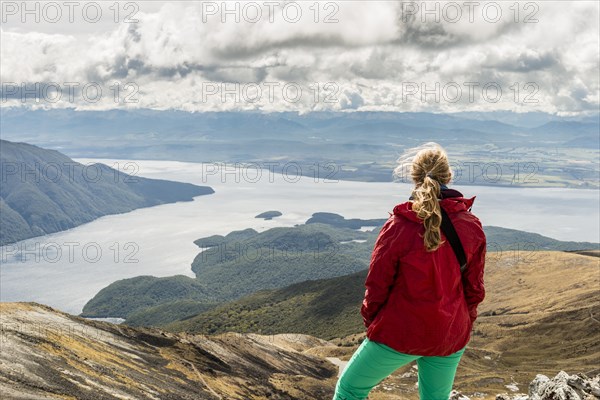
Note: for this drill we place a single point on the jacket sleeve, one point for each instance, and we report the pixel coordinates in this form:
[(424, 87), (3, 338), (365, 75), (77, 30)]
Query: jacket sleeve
[(473, 284), (382, 271)]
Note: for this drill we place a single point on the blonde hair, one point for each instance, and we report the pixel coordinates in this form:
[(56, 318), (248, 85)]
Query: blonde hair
[(428, 167)]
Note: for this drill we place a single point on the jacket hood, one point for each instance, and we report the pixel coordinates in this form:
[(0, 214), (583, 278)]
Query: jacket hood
[(450, 199)]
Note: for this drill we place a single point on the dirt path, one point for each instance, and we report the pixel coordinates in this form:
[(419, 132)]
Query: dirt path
[(341, 364)]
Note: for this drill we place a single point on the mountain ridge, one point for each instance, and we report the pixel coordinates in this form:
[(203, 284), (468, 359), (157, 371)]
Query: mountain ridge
[(49, 354), (43, 191), (348, 141)]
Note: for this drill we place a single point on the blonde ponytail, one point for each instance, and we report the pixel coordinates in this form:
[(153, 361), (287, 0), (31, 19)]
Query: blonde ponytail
[(428, 167)]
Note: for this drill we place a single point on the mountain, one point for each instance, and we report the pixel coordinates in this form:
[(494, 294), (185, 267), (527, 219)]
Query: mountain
[(340, 222), (540, 316), (240, 263), (567, 128), (44, 191), (325, 145), (49, 354), (246, 261), (235, 266), (506, 239), (326, 308), (167, 312), (530, 119), (127, 296)]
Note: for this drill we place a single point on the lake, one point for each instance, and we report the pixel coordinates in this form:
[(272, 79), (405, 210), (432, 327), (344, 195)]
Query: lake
[(66, 269)]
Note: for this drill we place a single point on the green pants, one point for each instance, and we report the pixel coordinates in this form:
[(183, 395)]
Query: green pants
[(372, 362)]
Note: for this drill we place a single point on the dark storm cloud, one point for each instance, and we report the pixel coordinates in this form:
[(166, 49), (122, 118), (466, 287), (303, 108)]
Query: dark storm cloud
[(241, 50), (236, 75)]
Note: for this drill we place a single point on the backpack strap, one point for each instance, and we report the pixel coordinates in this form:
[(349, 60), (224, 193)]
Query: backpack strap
[(454, 240)]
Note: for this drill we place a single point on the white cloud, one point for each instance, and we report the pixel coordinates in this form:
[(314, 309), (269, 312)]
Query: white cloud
[(371, 54)]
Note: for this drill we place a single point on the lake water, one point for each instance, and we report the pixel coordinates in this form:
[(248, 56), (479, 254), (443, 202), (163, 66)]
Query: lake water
[(66, 269)]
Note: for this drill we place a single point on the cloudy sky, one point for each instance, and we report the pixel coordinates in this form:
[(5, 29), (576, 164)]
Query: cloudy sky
[(303, 56)]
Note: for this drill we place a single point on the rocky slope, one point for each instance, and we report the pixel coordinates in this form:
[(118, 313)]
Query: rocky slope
[(46, 354), (562, 387)]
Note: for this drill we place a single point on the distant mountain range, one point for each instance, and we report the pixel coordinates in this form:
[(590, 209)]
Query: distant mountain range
[(360, 146), (44, 191), (127, 125)]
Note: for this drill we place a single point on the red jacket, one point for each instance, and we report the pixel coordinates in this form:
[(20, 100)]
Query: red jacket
[(416, 302)]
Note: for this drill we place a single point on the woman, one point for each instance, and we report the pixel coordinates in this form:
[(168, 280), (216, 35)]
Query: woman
[(417, 305)]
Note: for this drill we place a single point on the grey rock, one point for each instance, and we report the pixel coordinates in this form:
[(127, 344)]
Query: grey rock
[(456, 395), (562, 387)]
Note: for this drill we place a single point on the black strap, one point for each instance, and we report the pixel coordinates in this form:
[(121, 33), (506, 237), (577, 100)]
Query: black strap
[(454, 240)]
